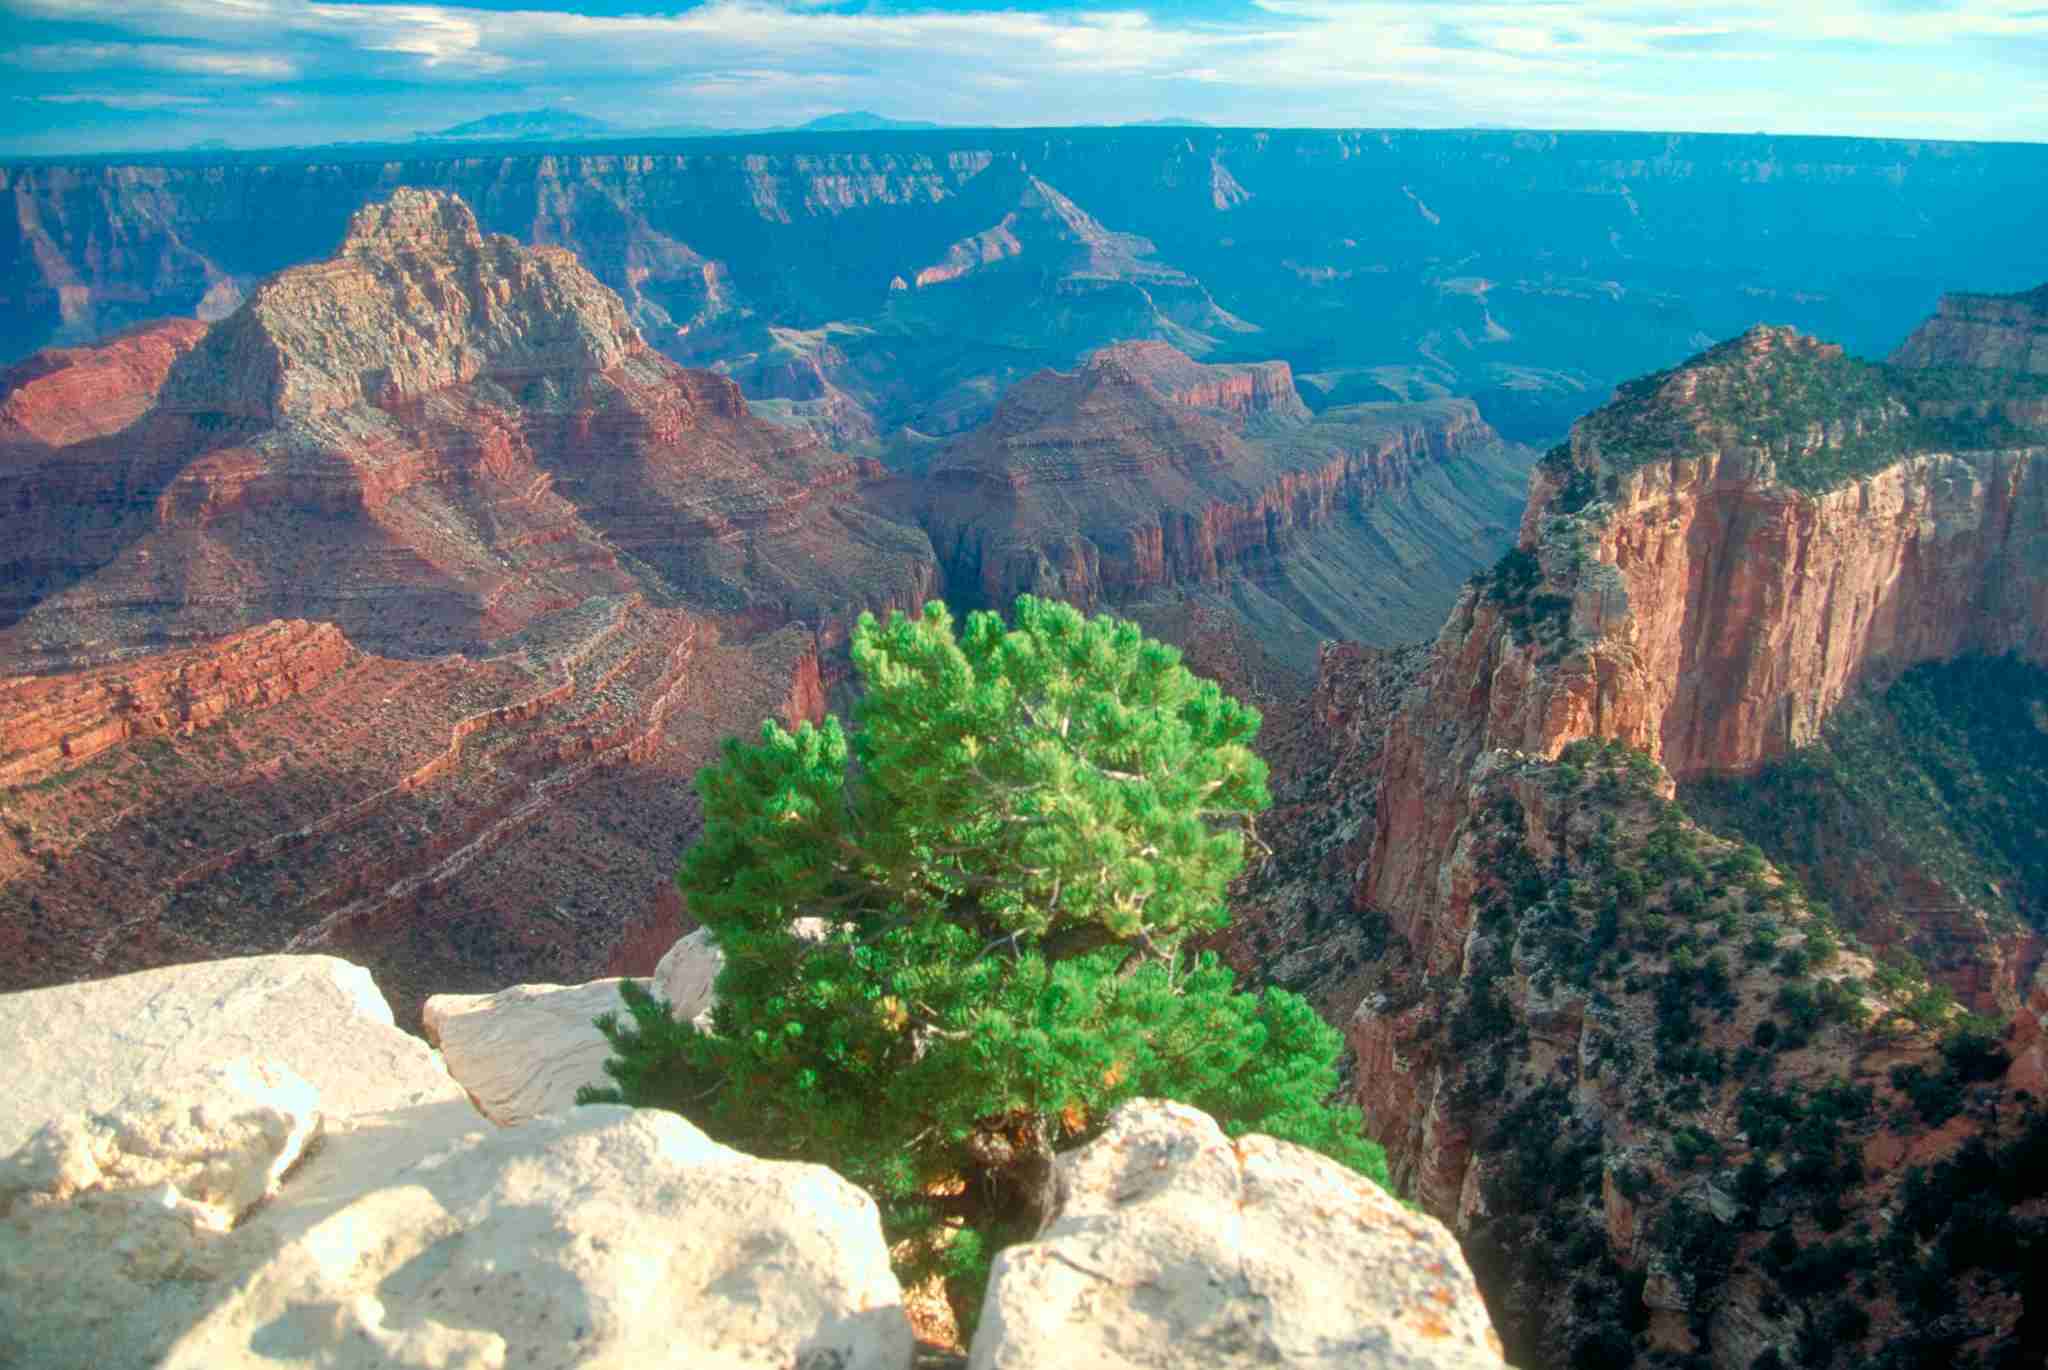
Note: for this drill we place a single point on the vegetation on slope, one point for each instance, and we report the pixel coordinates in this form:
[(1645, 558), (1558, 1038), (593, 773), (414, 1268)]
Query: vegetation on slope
[(1825, 417), (1945, 771), (1005, 860), (1717, 1014)]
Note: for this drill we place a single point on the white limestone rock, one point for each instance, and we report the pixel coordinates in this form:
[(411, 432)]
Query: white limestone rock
[(1171, 1245), (208, 1148), (88, 1044), (425, 1237), (604, 1236), (686, 974), (524, 1051)]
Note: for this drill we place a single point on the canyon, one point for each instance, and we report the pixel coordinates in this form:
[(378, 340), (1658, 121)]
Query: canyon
[(385, 603), (869, 283), (392, 613)]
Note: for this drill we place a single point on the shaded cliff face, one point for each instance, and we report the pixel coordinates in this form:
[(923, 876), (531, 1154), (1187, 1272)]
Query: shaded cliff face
[(1579, 258), (1586, 1008), (1144, 471), (2006, 332), (550, 568)]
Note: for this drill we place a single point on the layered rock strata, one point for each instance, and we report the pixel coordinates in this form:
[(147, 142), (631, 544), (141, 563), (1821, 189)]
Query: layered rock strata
[(529, 573), (1144, 470), (2005, 332)]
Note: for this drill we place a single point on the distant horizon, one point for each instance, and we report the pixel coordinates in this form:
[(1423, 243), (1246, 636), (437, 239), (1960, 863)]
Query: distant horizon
[(108, 77), (613, 134)]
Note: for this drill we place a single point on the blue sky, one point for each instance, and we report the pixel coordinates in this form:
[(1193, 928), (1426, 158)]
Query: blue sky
[(111, 74)]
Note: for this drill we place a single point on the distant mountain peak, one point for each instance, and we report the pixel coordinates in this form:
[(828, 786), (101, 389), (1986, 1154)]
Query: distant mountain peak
[(860, 121), (530, 123)]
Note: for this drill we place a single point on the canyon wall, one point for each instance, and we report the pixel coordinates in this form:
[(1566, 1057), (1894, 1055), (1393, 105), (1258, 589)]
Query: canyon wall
[(56, 722), (2006, 332), (1145, 470), (1530, 268), (1570, 966), (531, 572)]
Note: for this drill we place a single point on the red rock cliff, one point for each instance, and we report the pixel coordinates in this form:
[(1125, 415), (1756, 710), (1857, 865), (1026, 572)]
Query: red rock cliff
[(2008, 332), (1684, 584), (55, 722)]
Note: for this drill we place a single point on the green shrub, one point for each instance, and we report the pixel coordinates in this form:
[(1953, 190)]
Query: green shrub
[(1008, 855)]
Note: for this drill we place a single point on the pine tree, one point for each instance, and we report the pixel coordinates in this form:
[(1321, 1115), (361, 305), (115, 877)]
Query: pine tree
[(1005, 862)]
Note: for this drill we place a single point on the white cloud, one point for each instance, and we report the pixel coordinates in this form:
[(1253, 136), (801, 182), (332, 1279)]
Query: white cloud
[(131, 100), (1572, 63), (153, 56)]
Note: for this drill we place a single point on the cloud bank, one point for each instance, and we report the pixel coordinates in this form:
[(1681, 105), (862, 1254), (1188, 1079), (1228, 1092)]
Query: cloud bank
[(84, 74)]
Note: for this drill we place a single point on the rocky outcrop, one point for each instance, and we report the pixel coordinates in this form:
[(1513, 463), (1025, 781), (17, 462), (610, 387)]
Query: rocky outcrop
[(531, 573), (522, 1053), (1171, 1244), (477, 435), (57, 722), (416, 300), (414, 1238), (69, 395), (1703, 611), (203, 1204), (318, 1017), (2006, 332), (1138, 472), (1711, 565), (1244, 392)]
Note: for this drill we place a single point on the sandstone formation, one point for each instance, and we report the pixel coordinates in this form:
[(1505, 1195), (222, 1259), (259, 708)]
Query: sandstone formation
[(523, 1052), (67, 395), (438, 439), (1705, 612), (1171, 1244), (1573, 1001), (530, 571), (57, 722)]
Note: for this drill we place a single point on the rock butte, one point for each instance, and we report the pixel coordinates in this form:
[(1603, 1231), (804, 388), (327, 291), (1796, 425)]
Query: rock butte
[(528, 571)]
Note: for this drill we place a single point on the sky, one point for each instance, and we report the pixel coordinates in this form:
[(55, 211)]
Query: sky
[(113, 75)]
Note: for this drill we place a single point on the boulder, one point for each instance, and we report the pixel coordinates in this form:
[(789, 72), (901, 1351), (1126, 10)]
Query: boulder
[(425, 1238), (687, 972), (1172, 1245), (524, 1051), (86, 1045)]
